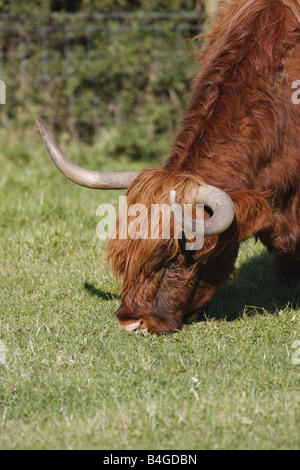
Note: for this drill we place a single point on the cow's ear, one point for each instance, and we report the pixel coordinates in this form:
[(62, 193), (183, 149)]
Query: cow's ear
[(253, 212)]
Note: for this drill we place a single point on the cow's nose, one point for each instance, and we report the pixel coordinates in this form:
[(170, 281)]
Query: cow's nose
[(131, 326)]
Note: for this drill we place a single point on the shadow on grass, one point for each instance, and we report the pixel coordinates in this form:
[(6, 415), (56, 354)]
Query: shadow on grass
[(252, 289), (94, 291)]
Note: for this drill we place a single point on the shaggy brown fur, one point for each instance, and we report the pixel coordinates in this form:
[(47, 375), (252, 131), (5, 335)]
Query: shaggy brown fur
[(241, 133)]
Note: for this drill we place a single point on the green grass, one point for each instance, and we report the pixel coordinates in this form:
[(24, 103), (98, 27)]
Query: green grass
[(73, 380)]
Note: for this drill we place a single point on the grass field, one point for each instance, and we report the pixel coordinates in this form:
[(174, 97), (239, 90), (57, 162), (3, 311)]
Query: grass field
[(71, 379)]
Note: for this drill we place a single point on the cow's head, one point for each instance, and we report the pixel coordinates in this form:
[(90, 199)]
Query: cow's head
[(165, 285), (167, 278)]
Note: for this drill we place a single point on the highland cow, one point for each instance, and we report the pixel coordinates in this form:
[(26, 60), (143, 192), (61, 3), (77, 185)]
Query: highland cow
[(237, 153)]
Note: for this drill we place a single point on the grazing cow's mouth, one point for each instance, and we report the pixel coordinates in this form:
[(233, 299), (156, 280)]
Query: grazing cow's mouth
[(130, 326), (147, 324)]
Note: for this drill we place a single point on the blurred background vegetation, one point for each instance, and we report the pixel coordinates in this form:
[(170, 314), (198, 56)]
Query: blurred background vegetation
[(111, 71)]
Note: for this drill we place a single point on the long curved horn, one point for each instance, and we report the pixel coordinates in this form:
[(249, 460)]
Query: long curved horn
[(82, 176), (214, 198)]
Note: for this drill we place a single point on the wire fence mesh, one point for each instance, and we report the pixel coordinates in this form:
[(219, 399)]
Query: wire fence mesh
[(87, 71)]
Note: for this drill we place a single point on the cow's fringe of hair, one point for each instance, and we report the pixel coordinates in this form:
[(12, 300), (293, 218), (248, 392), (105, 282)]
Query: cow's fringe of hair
[(157, 184), (247, 38)]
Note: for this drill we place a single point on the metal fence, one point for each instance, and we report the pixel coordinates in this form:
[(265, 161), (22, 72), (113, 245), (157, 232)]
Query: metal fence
[(27, 50)]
